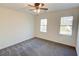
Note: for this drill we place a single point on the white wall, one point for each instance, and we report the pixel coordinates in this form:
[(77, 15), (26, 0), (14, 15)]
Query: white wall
[(15, 27), (77, 46), (54, 25)]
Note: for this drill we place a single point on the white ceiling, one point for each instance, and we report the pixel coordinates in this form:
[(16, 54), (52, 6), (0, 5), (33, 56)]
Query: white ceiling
[(51, 6)]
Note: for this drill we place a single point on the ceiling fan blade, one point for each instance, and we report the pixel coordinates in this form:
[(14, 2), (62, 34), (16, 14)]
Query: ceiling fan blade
[(31, 9), (31, 5), (44, 8)]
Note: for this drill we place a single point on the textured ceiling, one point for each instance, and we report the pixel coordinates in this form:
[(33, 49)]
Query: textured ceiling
[(51, 6)]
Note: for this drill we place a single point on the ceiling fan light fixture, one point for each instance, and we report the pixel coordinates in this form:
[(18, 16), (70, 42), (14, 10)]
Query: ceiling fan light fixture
[(37, 10), (34, 10)]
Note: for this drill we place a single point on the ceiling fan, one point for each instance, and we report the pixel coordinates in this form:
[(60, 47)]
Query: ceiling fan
[(37, 7)]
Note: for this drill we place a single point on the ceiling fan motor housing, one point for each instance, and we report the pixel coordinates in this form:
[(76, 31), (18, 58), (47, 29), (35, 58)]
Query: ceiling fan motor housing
[(38, 4)]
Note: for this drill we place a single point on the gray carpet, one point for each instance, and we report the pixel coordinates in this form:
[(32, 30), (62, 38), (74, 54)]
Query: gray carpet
[(38, 47)]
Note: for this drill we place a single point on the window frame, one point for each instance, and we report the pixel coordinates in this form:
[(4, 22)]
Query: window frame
[(65, 26), (43, 25)]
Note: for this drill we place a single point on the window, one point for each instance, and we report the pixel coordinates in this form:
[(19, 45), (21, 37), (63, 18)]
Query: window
[(43, 25), (66, 25)]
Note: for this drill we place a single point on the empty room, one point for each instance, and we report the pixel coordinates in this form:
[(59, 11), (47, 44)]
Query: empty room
[(39, 29)]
